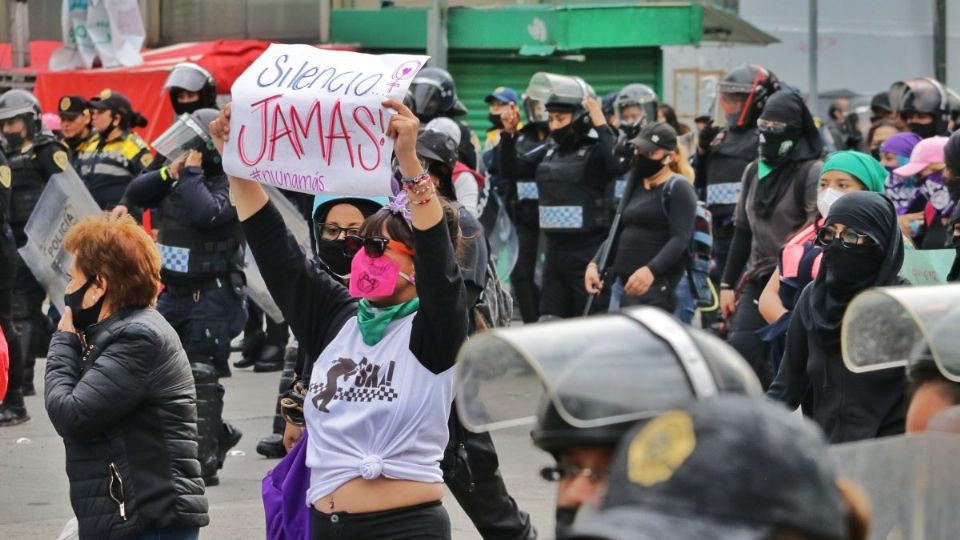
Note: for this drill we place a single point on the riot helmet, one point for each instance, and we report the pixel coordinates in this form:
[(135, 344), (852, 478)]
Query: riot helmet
[(21, 104), (922, 97), (742, 94), (447, 126), (635, 105), (606, 105), (192, 78), (434, 94)]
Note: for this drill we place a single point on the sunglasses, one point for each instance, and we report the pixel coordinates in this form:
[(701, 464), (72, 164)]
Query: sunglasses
[(848, 238), (771, 126), (373, 245), (330, 231)]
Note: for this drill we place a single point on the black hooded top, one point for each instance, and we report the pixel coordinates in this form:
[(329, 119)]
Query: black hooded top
[(848, 406)]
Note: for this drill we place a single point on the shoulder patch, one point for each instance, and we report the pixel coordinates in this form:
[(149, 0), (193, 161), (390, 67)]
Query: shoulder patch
[(661, 448), (5, 176), (146, 160), (61, 159)]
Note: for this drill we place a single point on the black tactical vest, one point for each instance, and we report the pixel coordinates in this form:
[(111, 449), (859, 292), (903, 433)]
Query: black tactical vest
[(567, 203), (25, 188), (194, 252), (730, 153)]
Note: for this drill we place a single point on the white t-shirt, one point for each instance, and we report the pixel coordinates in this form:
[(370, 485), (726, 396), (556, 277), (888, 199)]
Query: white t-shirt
[(375, 411)]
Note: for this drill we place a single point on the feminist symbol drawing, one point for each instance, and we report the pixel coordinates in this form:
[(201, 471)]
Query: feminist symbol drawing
[(403, 72)]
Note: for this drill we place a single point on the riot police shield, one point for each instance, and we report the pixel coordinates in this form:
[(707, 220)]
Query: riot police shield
[(890, 327), (185, 134), (912, 491), (501, 235), (256, 287), (64, 202), (596, 371)]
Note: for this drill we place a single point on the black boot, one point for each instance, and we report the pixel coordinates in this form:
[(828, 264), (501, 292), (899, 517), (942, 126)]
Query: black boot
[(25, 329), (251, 349), (230, 436), (271, 446), (12, 411), (209, 410), (28, 369), (272, 358)]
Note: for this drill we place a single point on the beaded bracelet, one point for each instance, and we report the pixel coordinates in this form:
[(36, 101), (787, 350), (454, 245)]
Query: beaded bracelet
[(423, 201), (419, 179), (421, 189)]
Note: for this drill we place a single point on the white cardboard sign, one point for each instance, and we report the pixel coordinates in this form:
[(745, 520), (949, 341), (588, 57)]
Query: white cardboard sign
[(312, 120)]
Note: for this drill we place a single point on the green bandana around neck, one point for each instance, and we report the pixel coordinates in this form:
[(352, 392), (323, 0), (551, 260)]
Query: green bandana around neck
[(373, 321), (763, 169)]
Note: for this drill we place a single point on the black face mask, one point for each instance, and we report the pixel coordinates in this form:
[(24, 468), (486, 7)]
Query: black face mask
[(331, 253), (630, 131), (565, 517), (645, 167), (851, 270), (775, 147), (567, 136), (875, 153), (14, 141), (495, 120), (83, 318), (925, 131), (187, 108)]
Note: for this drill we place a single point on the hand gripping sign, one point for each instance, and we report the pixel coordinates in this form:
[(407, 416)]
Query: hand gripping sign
[(312, 120), (64, 202)]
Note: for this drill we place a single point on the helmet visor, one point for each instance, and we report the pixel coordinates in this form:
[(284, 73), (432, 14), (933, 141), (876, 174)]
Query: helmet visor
[(597, 371), (535, 110), (923, 96), (187, 78), (426, 98), (17, 110)]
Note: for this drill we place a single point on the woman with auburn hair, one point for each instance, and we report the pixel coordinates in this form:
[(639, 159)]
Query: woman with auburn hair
[(120, 392)]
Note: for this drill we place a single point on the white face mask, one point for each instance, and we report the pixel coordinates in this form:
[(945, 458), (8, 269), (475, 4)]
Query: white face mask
[(826, 198)]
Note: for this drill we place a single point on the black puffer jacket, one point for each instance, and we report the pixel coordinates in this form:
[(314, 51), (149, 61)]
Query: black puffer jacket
[(125, 406)]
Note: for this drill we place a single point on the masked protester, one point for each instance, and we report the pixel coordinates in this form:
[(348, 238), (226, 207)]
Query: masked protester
[(800, 259), (779, 197), (34, 156), (399, 339), (927, 226), (117, 155), (118, 390), (862, 248), (878, 134), (202, 252), (656, 225), (895, 152), (191, 88), (520, 151), (75, 124)]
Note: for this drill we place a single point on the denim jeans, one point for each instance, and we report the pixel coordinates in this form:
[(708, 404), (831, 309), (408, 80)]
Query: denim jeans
[(686, 305), (171, 534)]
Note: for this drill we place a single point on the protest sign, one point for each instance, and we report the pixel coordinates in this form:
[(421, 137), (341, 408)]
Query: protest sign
[(927, 267), (64, 202), (312, 120)]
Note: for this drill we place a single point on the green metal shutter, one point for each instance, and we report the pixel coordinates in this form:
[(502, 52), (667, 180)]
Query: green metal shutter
[(477, 73)]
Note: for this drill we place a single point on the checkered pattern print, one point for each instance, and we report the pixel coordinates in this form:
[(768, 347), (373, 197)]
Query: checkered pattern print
[(383, 393), (527, 191), (176, 259), (728, 193), (561, 217)]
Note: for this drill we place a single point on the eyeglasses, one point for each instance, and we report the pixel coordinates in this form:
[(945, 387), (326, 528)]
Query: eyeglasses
[(771, 126), (848, 238), (561, 472), (373, 245), (332, 231)]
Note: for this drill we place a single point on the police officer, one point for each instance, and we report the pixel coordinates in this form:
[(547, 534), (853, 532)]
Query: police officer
[(202, 251), (923, 106), (117, 155), (741, 96), (75, 124), (34, 156), (12, 410), (191, 88), (434, 95), (571, 181), (523, 149)]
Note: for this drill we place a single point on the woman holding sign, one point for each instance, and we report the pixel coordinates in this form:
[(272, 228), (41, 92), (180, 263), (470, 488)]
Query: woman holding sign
[(377, 404)]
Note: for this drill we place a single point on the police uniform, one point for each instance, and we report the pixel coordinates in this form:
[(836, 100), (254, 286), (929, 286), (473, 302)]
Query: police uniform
[(8, 271), (107, 167), (31, 168), (201, 250), (71, 107)]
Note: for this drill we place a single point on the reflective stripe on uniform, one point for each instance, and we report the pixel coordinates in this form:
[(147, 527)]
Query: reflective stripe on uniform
[(561, 217), (728, 193), (109, 169), (527, 191)]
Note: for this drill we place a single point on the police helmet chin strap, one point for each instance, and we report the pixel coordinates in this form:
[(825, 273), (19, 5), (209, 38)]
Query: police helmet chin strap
[(662, 325)]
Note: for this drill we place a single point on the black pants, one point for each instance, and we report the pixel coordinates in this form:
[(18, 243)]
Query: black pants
[(15, 374), (563, 295), (425, 521), (33, 327), (742, 332), (523, 276), (205, 323)]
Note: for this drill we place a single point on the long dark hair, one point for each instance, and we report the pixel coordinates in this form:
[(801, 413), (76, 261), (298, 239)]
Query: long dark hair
[(398, 228)]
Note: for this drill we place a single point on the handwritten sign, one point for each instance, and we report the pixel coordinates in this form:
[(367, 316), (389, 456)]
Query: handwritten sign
[(311, 120), (927, 267)]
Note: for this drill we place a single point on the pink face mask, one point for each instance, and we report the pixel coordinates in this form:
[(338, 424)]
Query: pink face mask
[(374, 277)]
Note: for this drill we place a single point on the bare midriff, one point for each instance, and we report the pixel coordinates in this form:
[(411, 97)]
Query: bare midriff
[(360, 495)]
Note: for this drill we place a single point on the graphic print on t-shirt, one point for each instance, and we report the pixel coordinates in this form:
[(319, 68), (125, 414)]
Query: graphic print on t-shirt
[(370, 383)]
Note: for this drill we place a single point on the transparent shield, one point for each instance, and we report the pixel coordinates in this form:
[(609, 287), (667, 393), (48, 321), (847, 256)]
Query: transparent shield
[(185, 134), (891, 326), (64, 202), (597, 371)]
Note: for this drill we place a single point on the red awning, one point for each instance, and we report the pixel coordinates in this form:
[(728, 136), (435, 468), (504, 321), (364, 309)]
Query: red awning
[(143, 84)]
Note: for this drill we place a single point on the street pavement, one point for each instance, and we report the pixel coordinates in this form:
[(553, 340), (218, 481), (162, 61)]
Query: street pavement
[(34, 496)]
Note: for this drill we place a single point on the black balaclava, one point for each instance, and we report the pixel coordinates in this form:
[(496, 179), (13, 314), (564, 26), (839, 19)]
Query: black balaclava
[(800, 142), (925, 131), (845, 272)]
